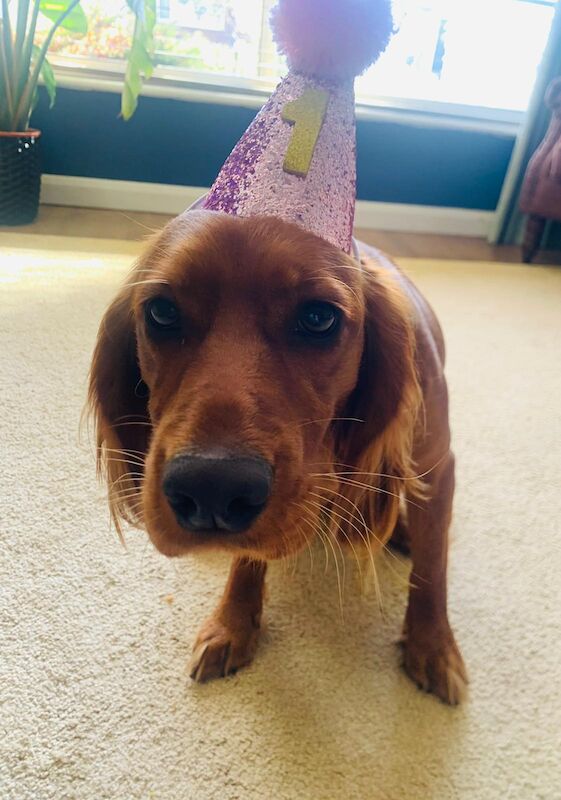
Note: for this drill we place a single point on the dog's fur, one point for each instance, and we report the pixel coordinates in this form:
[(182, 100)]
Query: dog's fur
[(353, 427)]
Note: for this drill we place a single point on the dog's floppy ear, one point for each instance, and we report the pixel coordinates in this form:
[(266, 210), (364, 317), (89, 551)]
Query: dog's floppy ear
[(117, 401), (386, 399)]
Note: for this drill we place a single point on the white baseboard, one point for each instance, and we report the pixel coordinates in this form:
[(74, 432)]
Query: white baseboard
[(157, 198), (162, 198)]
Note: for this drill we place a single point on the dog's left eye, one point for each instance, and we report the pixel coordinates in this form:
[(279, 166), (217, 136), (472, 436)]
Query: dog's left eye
[(318, 319), (162, 314)]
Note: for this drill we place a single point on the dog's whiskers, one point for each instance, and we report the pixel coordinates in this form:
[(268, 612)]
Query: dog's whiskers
[(342, 530), (352, 471), (346, 517), (125, 494), (314, 532), (368, 487), (308, 544), (371, 534), (114, 460), (128, 476), (148, 281), (368, 534), (122, 451), (329, 538), (140, 224), (333, 279), (328, 419), (317, 531)]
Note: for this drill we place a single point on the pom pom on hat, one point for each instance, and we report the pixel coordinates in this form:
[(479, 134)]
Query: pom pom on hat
[(332, 39)]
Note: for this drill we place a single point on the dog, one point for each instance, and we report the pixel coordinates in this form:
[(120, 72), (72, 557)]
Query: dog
[(250, 379)]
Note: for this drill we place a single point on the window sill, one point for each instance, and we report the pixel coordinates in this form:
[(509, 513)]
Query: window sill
[(170, 83)]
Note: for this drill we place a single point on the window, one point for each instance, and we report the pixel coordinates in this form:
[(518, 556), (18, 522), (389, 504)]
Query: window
[(472, 57), (470, 52)]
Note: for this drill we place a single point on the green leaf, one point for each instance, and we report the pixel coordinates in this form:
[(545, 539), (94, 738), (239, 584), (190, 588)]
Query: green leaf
[(48, 76), (129, 102), (34, 101), (140, 61), (7, 71), (23, 14), (76, 21), (26, 52), (50, 83)]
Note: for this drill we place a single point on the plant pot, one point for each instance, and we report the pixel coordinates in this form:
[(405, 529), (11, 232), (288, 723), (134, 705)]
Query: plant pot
[(20, 177)]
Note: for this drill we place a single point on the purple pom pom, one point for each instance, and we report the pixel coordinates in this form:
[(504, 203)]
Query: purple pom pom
[(332, 39)]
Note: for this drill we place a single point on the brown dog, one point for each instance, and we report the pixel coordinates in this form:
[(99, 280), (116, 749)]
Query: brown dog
[(249, 379)]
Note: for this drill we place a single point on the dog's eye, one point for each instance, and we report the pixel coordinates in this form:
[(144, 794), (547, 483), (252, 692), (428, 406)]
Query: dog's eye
[(318, 319), (162, 314)]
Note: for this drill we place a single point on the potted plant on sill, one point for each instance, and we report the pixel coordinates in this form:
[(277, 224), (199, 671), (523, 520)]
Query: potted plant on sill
[(23, 62)]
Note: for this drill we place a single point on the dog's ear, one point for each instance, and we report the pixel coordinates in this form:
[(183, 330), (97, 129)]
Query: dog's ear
[(118, 404), (386, 400)]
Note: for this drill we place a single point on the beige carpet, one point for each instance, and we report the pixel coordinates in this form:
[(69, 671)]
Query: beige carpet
[(95, 701)]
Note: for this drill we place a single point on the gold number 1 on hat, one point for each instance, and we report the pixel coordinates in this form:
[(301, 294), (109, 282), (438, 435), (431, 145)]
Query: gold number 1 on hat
[(307, 115)]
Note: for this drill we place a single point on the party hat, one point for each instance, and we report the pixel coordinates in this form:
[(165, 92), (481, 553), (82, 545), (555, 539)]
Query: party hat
[(297, 160)]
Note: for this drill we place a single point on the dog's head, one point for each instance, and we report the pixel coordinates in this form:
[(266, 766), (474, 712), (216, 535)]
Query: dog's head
[(247, 377)]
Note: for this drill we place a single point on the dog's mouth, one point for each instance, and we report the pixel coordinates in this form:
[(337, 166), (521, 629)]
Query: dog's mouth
[(203, 523), (270, 530), (238, 500)]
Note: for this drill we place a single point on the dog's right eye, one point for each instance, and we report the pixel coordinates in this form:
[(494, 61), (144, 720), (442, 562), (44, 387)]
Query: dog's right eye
[(162, 315)]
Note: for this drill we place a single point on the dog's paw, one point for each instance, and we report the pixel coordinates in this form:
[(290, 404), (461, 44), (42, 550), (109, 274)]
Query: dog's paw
[(436, 666), (221, 650)]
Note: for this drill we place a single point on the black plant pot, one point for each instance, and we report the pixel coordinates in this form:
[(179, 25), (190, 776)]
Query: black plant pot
[(20, 177)]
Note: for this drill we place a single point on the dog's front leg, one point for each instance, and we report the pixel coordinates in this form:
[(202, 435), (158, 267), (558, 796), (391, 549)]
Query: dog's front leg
[(431, 655), (228, 639)]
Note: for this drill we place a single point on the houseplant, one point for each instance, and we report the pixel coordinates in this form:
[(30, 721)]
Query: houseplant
[(23, 62)]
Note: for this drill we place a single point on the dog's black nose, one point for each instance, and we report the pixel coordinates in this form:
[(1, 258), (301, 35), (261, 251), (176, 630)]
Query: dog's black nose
[(217, 492)]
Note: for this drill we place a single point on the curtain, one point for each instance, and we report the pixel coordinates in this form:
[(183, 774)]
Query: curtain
[(508, 226)]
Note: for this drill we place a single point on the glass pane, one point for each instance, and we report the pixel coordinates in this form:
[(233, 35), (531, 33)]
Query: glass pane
[(221, 36), (472, 52), (469, 52), (110, 26)]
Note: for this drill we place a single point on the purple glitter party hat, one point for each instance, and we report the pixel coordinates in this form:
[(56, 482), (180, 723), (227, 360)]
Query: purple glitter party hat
[(297, 160)]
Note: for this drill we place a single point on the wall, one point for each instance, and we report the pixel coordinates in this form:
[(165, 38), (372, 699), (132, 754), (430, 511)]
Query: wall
[(170, 141)]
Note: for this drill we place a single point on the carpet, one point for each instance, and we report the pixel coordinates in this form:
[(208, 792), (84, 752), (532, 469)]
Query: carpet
[(95, 701)]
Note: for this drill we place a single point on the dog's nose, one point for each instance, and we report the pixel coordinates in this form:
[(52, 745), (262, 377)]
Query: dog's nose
[(217, 492)]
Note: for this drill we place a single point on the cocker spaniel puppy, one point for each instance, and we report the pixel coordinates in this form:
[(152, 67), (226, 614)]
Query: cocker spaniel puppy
[(250, 382)]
